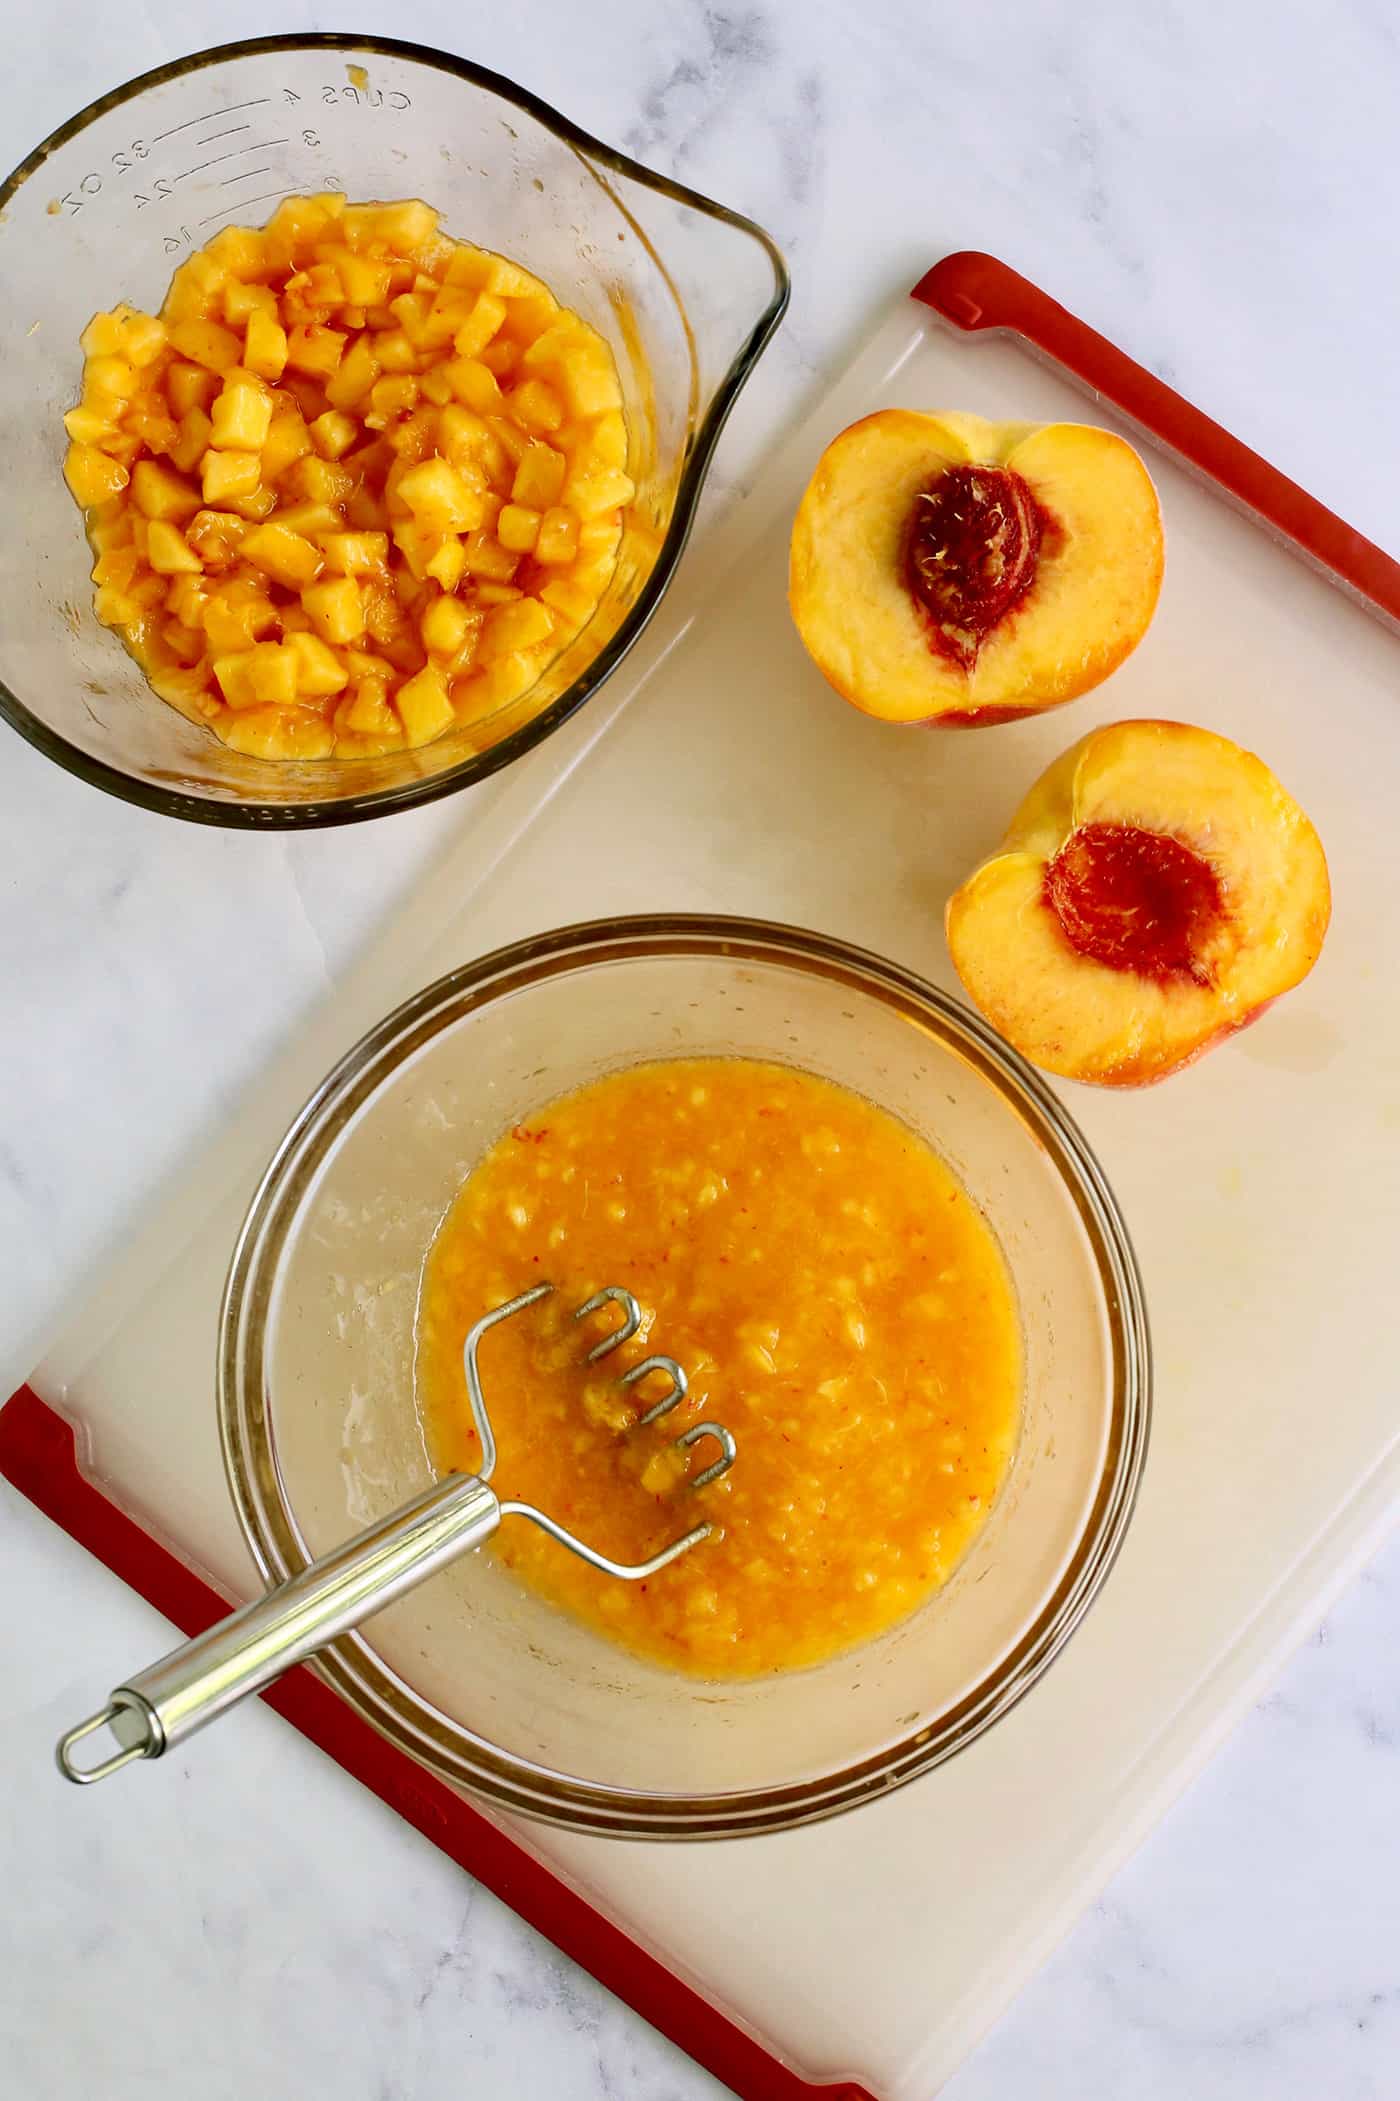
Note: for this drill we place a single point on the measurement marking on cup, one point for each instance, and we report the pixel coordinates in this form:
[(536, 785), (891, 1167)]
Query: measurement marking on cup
[(248, 175), (215, 135), (244, 202), (262, 146), (212, 116)]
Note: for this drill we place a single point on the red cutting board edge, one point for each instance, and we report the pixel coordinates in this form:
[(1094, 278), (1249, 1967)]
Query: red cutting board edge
[(975, 294)]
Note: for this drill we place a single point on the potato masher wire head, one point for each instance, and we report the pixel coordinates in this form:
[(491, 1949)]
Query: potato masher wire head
[(611, 1294), (245, 1652)]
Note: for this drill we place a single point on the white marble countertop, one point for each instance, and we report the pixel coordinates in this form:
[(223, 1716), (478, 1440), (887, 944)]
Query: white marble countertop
[(1211, 186)]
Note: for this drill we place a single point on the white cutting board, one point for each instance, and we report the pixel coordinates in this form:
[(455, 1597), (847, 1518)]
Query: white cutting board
[(1262, 1188)]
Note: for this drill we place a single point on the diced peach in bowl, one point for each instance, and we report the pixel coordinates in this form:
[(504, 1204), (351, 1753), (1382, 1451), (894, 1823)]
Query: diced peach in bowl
[(563, 331), (314, 397)]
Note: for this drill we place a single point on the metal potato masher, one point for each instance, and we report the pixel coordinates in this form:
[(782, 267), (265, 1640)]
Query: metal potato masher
[(241, 1654)]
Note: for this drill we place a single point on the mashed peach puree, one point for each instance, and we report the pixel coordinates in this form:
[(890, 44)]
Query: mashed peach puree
[(837, 1301)]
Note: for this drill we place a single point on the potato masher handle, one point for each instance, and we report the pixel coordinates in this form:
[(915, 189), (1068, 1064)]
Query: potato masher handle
[(240, 1655)]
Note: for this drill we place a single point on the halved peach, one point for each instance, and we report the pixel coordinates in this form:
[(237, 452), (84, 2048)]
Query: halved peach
[(949, 570), (1156, 890)]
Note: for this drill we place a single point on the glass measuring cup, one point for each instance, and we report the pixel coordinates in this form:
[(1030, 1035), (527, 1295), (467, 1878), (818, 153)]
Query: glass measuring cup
[(686, 293)]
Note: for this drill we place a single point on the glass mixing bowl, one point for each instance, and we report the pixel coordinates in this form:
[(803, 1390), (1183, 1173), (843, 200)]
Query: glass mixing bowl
[(686, 292), (483, 1681)]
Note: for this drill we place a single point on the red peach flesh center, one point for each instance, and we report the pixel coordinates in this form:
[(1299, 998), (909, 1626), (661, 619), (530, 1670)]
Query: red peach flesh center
[(970, 555), (1135, 900)]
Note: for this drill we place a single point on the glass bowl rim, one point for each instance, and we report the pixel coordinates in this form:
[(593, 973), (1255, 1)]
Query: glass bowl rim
[(269, 1524), (408, 795)]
